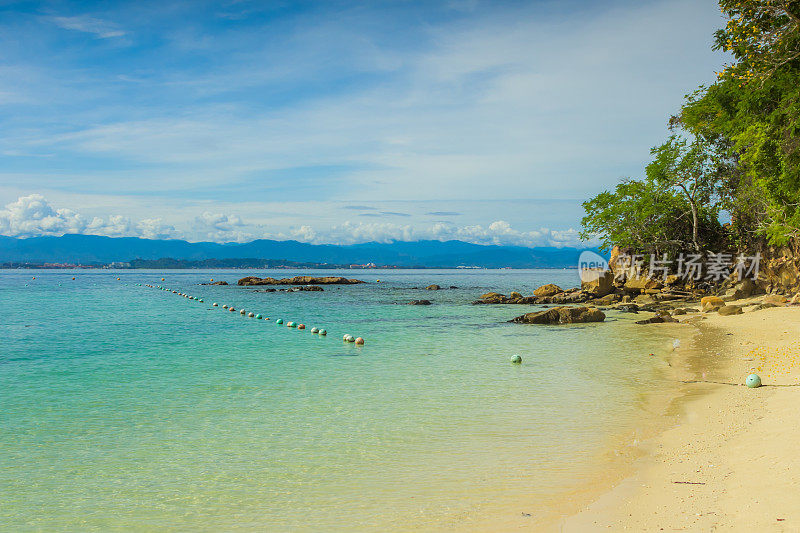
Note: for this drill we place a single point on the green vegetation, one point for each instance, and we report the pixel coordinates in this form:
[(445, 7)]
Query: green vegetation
[(734, 148)]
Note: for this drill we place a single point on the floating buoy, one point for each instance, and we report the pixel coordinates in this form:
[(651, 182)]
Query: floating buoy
[(516, 359), (301, 326), (231, 309), (314, 330), (73, 278), (291, 325), (259, 317), (117, 279), (212, 279), (279, 321), (34, 277), (162, 279), (215, 304), (349, 338), (251, 314), (753, 381), (200, 300), (359, 340), (242, 312), (323, 332), (224, 306)]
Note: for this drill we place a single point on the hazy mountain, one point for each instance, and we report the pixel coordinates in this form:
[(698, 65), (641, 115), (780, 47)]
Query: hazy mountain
[(94, 249)]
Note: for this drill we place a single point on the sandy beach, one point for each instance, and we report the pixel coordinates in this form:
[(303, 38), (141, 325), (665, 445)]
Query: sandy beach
[(731, 460)]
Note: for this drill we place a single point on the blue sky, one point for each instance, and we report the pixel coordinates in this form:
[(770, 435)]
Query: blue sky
[(335, 121)]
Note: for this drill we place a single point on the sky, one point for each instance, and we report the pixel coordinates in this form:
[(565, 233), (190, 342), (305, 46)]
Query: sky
[(336, 122)]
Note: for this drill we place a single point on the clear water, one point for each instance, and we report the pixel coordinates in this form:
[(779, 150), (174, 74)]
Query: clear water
[(126, 407)]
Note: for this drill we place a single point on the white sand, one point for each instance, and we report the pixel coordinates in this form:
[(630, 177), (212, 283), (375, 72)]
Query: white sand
[(733, 460)]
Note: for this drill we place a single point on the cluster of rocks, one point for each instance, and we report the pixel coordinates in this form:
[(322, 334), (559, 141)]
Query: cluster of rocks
[(216, 283), (302, 288), (299, 280)]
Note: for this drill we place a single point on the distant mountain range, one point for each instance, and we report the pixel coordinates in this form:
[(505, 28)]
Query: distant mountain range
[(91, 249)]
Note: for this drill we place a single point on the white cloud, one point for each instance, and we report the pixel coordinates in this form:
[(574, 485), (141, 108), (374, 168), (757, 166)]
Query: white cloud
[(33, 215), (100, 28)]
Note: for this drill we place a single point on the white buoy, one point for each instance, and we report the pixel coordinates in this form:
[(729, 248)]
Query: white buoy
[(224, 306), (251, 314), (215, 304), (314, 330)]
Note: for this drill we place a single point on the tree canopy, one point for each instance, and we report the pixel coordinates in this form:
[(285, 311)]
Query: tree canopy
[(734, 147)]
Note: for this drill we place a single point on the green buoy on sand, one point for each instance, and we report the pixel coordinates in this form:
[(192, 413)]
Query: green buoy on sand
[(753, 381)]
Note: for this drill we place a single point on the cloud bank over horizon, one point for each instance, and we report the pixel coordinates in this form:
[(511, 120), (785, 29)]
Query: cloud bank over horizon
[(33, 215), (237, 119)]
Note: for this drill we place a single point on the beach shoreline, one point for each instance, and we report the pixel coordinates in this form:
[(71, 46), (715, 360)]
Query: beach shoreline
[(727, 462)]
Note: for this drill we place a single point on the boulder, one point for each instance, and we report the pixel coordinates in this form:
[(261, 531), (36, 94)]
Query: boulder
[(608, 299), (660, 317), (216, 283), (491, 298), (433, 288), (775, 299), (571, 297), (548, 290), (599, 286), (628, 308), (642, 283), (515, 295), (312, 288), (727, 310), (562, 315), (711, 303), (644, 299), (762, 306), (419, 302), (679, 311)]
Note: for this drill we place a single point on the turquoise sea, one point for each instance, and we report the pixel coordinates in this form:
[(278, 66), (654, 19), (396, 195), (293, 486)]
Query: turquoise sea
[(124, 407)]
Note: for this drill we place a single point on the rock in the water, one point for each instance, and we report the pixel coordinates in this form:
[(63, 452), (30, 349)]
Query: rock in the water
[(299, 280), (216, 283), (727, 310), (433, 288), (628, 308), (419, 302), (562, 315), (514, 295), (492, 298), (550, 289), (711, 303), (311, 288), (659, 318)]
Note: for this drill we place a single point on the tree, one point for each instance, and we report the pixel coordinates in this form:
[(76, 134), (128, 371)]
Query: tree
[(690, 169), (639, 215)]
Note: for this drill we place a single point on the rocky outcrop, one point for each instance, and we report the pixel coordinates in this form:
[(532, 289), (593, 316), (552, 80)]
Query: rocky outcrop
[(599, 284), (216, 283), (299, 280), (550, 289), (419, 302), (433, 288), (562, 315)]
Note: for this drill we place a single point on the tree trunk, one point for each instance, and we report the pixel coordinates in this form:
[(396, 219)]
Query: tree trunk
[(695, 224)]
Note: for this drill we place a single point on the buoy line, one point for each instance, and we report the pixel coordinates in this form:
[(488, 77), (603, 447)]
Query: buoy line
[(358, 341)]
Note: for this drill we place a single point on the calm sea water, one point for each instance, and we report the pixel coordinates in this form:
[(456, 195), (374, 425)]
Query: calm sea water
[(126, 407)]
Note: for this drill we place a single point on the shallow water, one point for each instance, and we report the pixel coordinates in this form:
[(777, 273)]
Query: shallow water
[(126, 407)]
